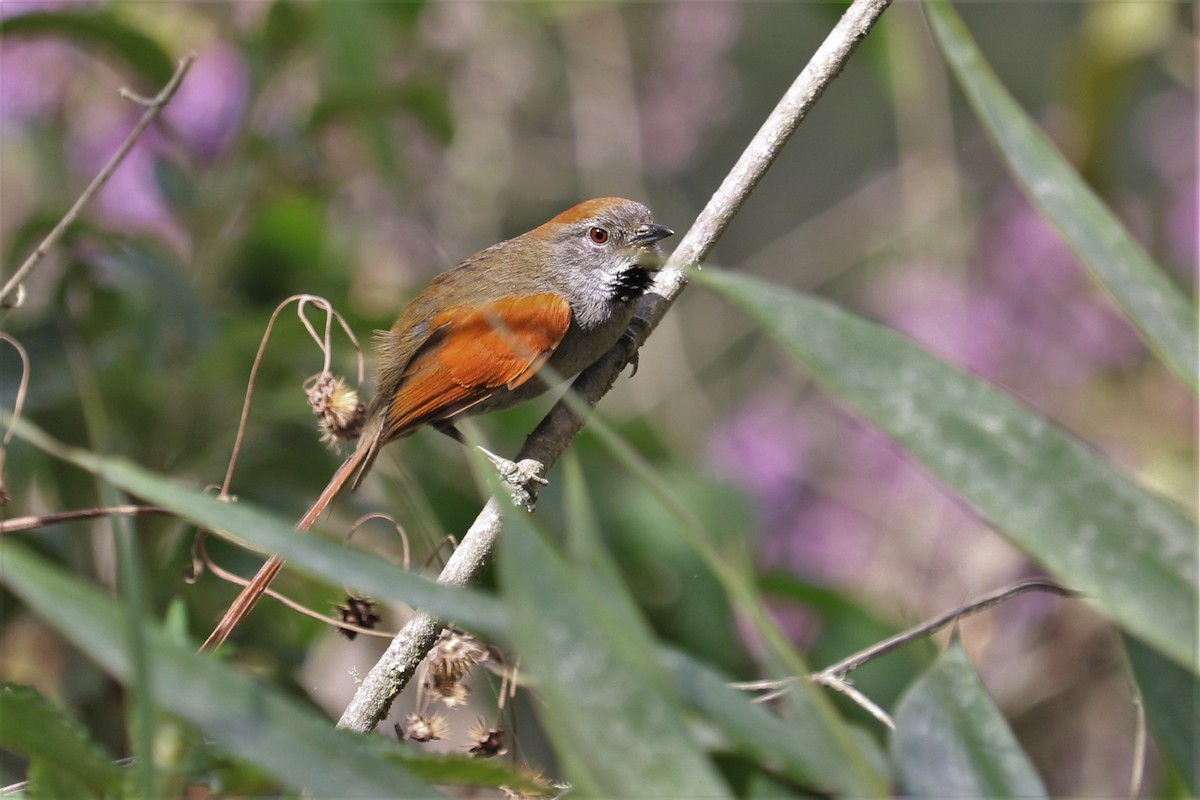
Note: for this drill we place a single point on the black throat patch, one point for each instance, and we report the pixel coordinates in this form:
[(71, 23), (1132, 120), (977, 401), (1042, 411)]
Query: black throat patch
[(631, 284)]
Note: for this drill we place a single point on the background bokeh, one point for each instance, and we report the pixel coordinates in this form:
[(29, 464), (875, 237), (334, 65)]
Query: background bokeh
[(354, 150)]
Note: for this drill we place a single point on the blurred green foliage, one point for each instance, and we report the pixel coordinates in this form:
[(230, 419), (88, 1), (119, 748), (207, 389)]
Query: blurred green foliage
[(354, 150)]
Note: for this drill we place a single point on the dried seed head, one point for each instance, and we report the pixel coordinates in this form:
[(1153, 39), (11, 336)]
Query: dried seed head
[(537, 778), (421, 728), (453, 657), (486, 741), (452, 695), (358, 611), (341, 414)]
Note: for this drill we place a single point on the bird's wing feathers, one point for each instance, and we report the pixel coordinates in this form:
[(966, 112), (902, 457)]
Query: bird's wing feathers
[(472, 354)]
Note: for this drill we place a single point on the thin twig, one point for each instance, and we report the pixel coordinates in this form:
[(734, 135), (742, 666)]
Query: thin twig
[(834, 676), (325, 341), (846, 688), (363, 520), (322, 342), (18, 404), (153, 108), (220, 572), (22, 386), (851, 663), (395, 668), (1138, 770), (42, 520), (771, 689)]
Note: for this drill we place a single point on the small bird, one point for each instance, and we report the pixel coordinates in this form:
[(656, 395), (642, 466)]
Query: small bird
[(474, 340)]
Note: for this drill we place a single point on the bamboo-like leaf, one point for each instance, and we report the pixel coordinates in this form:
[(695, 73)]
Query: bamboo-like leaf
[(751, 729), (831, 749), (952, 741), (248, 720), (1156, 308), (1069, 508), (615, 719), (32, 726), (776, 744), (460, 770), (246, 525), (1170, 694)]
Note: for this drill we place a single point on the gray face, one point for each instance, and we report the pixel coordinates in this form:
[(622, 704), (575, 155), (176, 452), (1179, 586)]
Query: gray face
[(609, 258)]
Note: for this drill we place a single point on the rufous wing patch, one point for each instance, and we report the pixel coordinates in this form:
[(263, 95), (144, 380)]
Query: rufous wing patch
[(475, 353)]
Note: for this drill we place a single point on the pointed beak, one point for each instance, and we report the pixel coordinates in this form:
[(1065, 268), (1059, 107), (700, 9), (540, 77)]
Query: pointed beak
[(649, 234)]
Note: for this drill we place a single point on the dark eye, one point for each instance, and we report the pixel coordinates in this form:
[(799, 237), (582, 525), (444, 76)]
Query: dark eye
[(598, 235)]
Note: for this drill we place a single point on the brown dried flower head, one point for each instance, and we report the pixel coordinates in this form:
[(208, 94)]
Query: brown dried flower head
[(486, 740), (337, 407), (538, 779), (421, 728), (453, 694), (358, 611), (454, 656)]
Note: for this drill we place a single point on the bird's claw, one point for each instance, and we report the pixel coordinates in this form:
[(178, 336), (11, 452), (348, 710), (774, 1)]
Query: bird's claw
[(631, 339), (520, 475)]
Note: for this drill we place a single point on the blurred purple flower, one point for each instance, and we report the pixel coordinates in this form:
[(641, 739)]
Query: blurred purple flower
[(827, 542), (12, 8), (205, 113), (761, 448), (1067, 329), (868, 455), (1024, 258), (1030, 319), (941, 311), (34, 75), (690, 86), (209, 106), (131, 198)]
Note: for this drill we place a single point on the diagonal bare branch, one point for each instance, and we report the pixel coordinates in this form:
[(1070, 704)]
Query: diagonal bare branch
[(154, 106)]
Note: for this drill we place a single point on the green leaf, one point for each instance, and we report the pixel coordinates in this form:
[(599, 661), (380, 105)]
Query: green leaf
[(585, 547), (750, 729), (952, 741), (458, 770), (140, 712), (100, 29), (1160, 312), (847, 627), (33, 727), (615, 719), (1170, 694), (1130, 550), (248, 526), (778, 745), (247, 719), (845, 765), (46, 781)]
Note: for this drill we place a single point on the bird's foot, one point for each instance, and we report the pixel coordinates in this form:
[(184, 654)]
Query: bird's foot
[(630, 339), (522, 476)]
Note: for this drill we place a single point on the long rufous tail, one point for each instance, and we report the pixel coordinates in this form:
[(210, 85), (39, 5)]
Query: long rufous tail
[(348, 475)]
